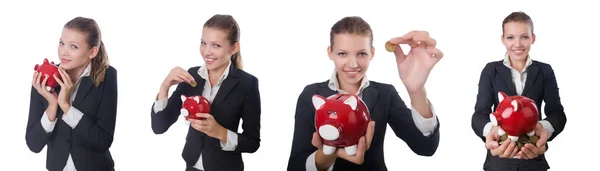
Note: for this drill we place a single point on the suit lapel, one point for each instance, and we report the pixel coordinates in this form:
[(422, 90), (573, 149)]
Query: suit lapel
[(84, 87), (370, 96), (506, 77), (228, 84), (532, 73)]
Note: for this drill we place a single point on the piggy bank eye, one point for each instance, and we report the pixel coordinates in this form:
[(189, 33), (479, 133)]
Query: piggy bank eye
[(502, 107), (329, 112), (335, 112)]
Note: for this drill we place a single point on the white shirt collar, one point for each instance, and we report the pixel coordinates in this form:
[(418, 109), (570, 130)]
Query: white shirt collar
[(203, 72), (506, 62), (335, 86)]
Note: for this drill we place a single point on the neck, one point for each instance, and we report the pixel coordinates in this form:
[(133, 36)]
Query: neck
[(519, 65), (215, 74), (75, 73), (349, 88)]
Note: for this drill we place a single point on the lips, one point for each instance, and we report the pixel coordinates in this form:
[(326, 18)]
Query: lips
[(62, 60), (209, 60), (518, 51), (352, 73)]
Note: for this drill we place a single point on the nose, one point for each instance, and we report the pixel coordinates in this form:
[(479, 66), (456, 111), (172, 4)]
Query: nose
[(205, 50), (62, 51), (329, 132), (353, 63), (519, 43)]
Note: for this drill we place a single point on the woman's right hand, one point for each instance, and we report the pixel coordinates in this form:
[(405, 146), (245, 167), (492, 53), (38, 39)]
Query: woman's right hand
[(40, 86), (51, 97), (508, 148), (176, 75)]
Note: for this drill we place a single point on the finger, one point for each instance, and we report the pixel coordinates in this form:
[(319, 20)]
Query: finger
[(179, 79), (425, 40), (369, 135), (357, 158), (527, 150), (509, 150), (37, 81), (401, 40), (35, 75), (59, 81), (436, 53), (43, 84), (514, 153), (522, 155), (543, 134), (417, 37), (501, 148), (399, 53), (316, 140), (205, 115), (63, 74), (490, 142), (185, 75)]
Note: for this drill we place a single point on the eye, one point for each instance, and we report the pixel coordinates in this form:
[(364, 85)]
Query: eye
[(509, 37), (217, 45), (329, 112), (525, 37), (61, 43), (363, 54), (203, 43), (342, 54), (502, 107), (73, 47), (335, 112)]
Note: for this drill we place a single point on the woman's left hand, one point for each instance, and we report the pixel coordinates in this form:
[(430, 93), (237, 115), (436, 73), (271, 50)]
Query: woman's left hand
[(209, 126), (66, 86), (529, 151)]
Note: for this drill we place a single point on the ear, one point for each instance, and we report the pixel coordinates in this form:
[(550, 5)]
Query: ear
[(45, 61), (197, 99), (93, 52), (532, 38), (330, 52), (236, 48), (318, 101), (501, 96), (183, 98), (515, 105), (352, 101), (372, 52)]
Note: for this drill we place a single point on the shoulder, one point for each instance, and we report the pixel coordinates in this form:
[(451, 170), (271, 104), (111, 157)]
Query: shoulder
[(246, 77), (312, 89), (385, 87), (493, 64), (545, 68), (111, 71)]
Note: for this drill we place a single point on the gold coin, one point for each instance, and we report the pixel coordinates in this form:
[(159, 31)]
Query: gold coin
[(194, 84), (390, 47)]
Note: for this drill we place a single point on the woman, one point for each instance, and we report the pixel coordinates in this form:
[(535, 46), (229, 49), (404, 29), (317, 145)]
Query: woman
[(518, 74), (213, 143), (77, 120), (351, 49)]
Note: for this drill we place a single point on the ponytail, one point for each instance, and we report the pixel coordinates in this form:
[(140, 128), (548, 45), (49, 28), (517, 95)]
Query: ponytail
[(237, 60), (99, 65)]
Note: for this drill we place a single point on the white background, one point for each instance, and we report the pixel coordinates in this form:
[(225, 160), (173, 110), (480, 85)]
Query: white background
[(284, 45)]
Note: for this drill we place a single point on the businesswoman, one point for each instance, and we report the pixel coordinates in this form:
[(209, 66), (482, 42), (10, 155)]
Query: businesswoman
[(518, 74), (351, 49), (77, 120), (214, 144)]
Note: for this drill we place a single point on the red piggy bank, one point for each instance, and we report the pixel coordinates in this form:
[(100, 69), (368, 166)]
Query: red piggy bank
[(48, 69), (193, 105), (515, 115), (341, 120)]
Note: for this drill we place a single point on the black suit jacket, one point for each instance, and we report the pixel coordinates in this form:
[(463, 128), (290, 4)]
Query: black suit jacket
[(90, 140), (238, 97), (386, 107), (540, 86)]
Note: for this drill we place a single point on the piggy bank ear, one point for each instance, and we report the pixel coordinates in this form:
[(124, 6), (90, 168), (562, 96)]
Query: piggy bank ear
[(183, 98), (197, 99), (318, 101), (501, 96), (352, 101), (515, 105), (46, 61)]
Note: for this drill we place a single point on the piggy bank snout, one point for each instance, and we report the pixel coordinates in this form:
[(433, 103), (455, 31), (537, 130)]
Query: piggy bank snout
[(184, 112), (329, 132)]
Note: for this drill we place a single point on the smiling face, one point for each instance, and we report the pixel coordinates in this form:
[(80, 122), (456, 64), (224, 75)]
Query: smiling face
[(216, 49), (518, 38), (351, 54), (73, 50)]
